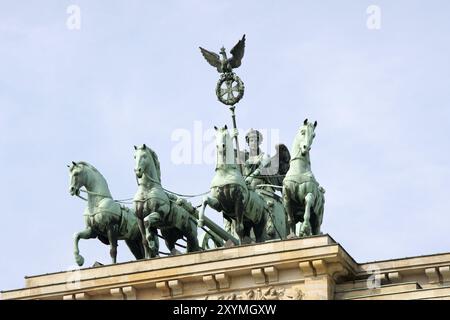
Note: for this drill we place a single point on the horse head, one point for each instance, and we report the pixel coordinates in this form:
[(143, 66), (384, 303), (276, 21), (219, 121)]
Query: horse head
[(146, 162), (306, 136), (224, 145), (77, 178)]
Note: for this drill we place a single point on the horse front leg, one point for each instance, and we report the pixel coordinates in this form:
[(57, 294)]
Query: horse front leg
[(112, 238), (192, 244), (151, 223), (88, 233), (201, 213), (287, 202), (153, 241), (210, 201), (239, 214), (305, 229), (144, 238), (139, 212)]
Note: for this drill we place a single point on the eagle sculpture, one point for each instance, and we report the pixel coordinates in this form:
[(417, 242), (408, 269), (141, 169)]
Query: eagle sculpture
[(226, 65)]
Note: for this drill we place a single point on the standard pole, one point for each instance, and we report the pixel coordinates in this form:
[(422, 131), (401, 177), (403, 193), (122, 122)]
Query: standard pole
[(215, 230), (233, 116)]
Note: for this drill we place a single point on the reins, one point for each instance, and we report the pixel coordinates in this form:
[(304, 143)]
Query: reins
[(171, 192), (122, 201)]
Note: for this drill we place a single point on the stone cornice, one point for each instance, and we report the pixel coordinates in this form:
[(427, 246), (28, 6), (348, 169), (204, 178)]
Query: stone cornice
[(212, 267), (307, 268)]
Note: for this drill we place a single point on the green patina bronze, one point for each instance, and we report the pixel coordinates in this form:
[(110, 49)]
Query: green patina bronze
[(104, 218), (244, 189), (229, 88), (303, 197), (250, 211), (155, 209), (256, 161)]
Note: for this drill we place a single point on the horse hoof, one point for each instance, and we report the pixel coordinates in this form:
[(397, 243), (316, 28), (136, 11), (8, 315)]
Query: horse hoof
[(304, 234), (229, 244), (246, 240), (79, 260), (175, 252)]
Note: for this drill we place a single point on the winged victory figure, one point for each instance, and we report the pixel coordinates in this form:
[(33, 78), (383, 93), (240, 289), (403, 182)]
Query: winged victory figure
[(279, 165), (226, 65)]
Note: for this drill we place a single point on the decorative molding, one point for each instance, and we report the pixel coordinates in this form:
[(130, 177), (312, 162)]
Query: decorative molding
[(381, 278), (432, 274), (224, 280), (261, 293), (306, 268), (164, 288), (271, 273), (82, 296), (117, 293), (445, 273), (176, 287), (394, 276), (320, 267), (130, 293), (337, 271), (210, 282), (258, 275)]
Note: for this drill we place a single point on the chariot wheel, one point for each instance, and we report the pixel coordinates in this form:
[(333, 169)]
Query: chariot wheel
[(230, 89)]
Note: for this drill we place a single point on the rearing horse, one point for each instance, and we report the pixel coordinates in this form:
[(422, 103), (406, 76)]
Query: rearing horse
[(230, 194), (105, 219), (302, 196), (155, 209)]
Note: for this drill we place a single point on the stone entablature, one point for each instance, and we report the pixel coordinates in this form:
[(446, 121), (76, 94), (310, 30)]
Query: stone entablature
[(307, 268)]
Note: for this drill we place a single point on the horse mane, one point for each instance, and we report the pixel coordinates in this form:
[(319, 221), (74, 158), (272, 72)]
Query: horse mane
[(229, 142), (94, 169), (155, 160), (225, 132), (90, 166), (84, 163)]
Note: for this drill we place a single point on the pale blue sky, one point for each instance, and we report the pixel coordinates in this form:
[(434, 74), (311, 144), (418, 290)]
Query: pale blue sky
[(133, 74)]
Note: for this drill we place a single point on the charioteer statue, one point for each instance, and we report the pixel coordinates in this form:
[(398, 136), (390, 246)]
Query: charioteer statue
[(256, 161)]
